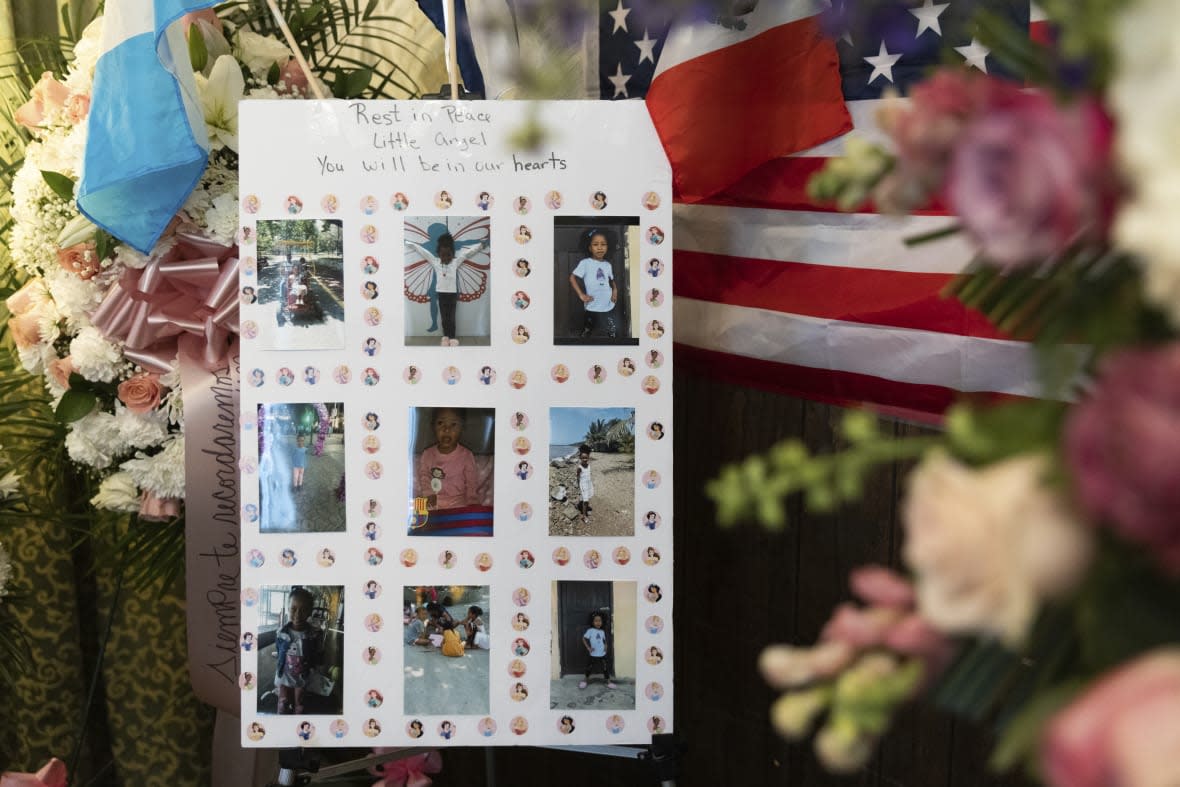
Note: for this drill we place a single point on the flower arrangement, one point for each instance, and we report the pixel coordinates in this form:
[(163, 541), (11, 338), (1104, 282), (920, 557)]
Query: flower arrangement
[(1042, 553)]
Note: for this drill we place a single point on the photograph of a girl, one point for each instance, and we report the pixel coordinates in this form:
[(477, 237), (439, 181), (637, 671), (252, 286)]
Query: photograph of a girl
[(595, 289)]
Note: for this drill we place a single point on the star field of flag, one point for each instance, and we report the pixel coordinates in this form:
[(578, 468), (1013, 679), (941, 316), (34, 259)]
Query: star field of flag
[(882, 45), (630, 38)]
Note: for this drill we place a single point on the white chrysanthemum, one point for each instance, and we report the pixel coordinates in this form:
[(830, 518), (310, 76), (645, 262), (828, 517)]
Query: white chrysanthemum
[(75, 299), (5, 571), (92, 440), (86, 53), (9, 485), (139, 431), (162, 474), (173, 402), (129, 257), (94, 357), (259, 52), (221, 220), (117, 492), (1147, 113)]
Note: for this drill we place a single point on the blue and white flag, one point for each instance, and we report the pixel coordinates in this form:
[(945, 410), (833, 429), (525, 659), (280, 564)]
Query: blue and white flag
[(147, 146)]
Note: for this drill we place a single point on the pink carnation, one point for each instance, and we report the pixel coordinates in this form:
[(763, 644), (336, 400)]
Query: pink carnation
[(1122, 731), (1029, 178), (1123, 447)]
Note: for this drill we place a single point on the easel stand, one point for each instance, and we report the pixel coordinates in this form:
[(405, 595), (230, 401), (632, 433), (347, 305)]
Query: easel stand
[(299, 767)]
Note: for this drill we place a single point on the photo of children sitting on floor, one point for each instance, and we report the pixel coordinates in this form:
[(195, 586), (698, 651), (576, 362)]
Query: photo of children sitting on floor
[(300, 654), (452, 464), (447, 268), (301, 467), (592, 471), (596, 284), (301, 284), (592, 663), (446, 649)]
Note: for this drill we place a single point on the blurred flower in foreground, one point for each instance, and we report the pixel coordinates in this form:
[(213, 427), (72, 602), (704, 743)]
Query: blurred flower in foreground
[(987, 546), (1125, 730), (1121, 445)]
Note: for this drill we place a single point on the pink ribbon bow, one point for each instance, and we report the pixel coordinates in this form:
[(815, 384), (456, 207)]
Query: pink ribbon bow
[(407, 772), (52, 774), (189, 289)]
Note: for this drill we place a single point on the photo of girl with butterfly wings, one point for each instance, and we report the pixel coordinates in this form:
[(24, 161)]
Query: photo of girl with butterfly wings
[(447, 263)]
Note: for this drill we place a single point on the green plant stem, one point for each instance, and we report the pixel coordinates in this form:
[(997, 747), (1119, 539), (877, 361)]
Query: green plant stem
[(75, 758)]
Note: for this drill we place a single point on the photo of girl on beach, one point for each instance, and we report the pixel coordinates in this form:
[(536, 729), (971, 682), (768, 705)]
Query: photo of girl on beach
[(592, 471)]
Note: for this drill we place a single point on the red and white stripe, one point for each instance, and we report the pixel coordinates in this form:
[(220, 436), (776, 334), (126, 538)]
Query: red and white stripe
[(780, 293)]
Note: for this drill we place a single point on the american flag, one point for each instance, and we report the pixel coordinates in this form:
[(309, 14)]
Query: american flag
[(776, 291)]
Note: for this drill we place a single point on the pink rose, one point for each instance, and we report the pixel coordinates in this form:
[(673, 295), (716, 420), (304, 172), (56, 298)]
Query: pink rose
[(1028, 178), (293, 77), (140, 393), (1123, 730), (48, 95), (60, 370), (81, 259), (924, 132), (26, 306), (158, 509), (77, 107), (1121, 445), (52, 774)]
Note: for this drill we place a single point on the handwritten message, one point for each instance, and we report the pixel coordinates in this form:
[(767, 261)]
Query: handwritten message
[(406, 140)]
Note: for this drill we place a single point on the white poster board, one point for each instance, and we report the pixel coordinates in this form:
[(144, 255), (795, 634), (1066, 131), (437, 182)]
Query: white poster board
[(386, 469)]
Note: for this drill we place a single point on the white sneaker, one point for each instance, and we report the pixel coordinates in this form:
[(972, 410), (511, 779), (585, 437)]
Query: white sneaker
[(445, 342), (454, 342)]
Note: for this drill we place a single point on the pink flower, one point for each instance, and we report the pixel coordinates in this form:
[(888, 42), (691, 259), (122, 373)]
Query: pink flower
[(48, 95), (77, 107), (293, 77), (60, 370), (52, 774), (924, 132), (81, 259), (141, 393), (28, 306), (1122, 731), (1028, 178), (1123, 448), (158, 509)]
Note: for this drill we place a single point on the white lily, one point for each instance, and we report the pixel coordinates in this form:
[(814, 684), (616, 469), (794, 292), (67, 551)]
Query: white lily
[(77, 230), (9, 485), (220, 94)]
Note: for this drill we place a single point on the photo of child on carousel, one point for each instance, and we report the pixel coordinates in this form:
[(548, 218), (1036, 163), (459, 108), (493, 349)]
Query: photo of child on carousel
[(451, 471), (301, 467), (301, 284)]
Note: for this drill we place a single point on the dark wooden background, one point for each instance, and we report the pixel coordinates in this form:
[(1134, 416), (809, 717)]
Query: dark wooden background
[(736, 591)]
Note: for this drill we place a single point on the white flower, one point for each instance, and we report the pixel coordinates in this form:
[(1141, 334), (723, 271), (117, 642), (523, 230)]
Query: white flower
[(221, 220), (259, 52), (118, 492), (77, 230), (5, 571), (1147, 113), (75, 298), (9, 485), (94, 357), (130, 258), (161, 474), (139, 431), (92, 440), (987, 546), (220, 94)]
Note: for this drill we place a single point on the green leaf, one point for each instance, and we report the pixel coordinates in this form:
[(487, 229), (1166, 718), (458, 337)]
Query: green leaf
[(75, 405), (357, 82), (104, 244), (198, 53), (339, 88), (1020, 740), (272, 74), (62, 185), (986, 435)]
